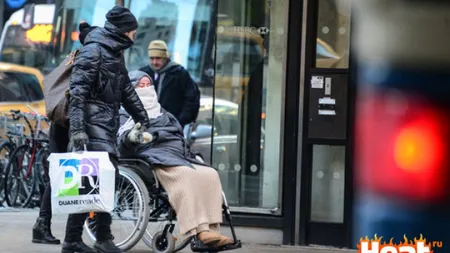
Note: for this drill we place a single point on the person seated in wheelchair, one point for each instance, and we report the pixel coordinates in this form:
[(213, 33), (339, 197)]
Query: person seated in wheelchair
[(193, 187)]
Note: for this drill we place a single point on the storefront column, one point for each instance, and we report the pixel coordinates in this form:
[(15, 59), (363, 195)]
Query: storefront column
[(274, 103)]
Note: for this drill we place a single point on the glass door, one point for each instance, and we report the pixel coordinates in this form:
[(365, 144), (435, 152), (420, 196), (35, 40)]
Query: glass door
[(326, 178), (250, 50)]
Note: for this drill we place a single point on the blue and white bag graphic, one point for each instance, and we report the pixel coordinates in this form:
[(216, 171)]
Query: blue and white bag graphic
[(81, 182)]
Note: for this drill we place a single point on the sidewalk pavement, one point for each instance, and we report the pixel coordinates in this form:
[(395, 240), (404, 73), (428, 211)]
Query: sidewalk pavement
[(16, 226)]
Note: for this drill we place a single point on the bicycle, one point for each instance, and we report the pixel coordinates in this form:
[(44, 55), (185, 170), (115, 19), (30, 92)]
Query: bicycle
[(11, 137), (20, 172)]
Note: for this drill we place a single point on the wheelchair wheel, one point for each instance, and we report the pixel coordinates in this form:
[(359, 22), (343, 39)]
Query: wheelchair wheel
[(157, 227), (130, 216), (163, 244), (157, 224)]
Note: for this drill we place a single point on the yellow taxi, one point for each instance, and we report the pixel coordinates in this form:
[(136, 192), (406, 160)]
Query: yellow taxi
[(21, 88)]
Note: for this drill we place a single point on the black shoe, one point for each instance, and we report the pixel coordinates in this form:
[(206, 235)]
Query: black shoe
[(107, 246), (42, 232), (76, 247)]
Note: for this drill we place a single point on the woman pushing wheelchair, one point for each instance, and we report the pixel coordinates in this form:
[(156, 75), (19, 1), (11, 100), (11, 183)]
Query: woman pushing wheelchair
[(193, 187)]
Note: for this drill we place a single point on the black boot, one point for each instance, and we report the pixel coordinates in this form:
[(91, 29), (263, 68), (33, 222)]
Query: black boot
[(76, 247), (42, 232), (107, 246), (103, 234)]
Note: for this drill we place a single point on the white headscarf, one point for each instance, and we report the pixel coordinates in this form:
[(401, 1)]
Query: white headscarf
[(150, 101), (151, 105)]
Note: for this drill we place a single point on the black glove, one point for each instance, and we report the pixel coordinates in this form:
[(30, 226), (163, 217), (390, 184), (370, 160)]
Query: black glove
[(78, 141)]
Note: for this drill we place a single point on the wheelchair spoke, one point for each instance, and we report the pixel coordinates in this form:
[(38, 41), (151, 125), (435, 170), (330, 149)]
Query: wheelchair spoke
[(128, 222)]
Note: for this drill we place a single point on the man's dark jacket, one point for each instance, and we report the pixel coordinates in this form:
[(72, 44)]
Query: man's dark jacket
[(99, 84), (179, 94)]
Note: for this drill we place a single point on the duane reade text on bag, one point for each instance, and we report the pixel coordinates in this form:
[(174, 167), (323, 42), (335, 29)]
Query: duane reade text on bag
[(81, 182)]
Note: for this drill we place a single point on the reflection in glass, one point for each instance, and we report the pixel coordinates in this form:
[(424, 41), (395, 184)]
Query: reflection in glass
[(328, 181), (333, 34), (187, 27), (27, 47), (250, 57), (240, 71), (66, 29), (26, 41)]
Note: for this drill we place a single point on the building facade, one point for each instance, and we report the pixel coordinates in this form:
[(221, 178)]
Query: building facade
[(276, 106), (291, 182), (309, 90)]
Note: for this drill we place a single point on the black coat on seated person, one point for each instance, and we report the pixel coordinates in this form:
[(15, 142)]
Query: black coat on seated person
[(168, 147)]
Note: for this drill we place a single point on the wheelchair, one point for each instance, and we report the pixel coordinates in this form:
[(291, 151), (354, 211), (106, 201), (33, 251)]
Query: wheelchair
[(142, 203)]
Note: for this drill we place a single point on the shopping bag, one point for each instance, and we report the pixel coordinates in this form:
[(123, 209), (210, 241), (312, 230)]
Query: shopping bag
[(81, 182)]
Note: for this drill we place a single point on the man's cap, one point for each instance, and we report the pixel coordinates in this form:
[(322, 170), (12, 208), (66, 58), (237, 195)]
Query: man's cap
[(158, 48)]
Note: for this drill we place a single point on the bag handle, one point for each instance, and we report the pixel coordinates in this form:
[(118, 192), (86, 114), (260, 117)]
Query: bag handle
[(72, 57), (85, 150)]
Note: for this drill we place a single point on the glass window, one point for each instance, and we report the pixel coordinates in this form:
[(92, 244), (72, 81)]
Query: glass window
[(185, 26), (27, 47), (333, 34), (250, 55), (72, 12), (328, 183), (229, 50), (226, 119), (19, 87), (244, 110), (205, 113)]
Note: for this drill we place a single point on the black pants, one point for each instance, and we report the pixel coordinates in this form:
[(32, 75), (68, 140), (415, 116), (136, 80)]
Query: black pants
[(58, 141)]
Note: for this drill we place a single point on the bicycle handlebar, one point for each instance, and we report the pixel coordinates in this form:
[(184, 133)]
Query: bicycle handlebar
[(37, 114), (17, 114)]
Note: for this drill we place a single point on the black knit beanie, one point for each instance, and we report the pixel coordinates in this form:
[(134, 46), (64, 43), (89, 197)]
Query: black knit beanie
[(122, 18)]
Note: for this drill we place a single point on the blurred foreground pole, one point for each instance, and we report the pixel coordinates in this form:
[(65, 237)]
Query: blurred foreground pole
[(402, 49)]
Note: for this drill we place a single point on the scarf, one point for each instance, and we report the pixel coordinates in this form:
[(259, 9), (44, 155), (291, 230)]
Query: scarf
[(151, 105), (160, 74), (150, 101)]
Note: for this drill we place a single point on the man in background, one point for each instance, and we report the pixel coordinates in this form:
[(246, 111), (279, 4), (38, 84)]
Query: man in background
[(177, 92)]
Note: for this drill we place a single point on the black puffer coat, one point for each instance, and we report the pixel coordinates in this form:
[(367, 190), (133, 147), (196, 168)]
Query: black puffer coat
[(99, 84)]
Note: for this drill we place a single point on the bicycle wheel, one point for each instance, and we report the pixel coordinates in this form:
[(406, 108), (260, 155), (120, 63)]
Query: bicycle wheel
[(131, 211), (5, 152), (20, 182), (41, 166)]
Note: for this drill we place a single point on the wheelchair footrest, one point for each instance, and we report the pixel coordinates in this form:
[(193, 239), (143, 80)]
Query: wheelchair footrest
[(198, 246)]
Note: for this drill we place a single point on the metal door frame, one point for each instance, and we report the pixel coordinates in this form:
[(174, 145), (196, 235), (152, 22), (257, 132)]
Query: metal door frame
[(312, 232)]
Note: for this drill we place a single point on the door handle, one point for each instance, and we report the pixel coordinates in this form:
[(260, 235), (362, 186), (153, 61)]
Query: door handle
[(221, 148)]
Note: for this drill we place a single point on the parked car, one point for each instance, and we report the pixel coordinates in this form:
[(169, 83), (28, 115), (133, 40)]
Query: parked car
[(225, 130), (21, 88), (217, 138)]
